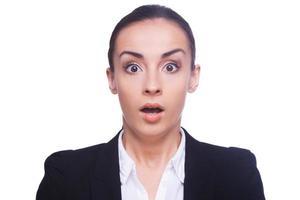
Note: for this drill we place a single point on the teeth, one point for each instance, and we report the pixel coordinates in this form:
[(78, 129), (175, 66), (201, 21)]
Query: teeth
[(151, 110)]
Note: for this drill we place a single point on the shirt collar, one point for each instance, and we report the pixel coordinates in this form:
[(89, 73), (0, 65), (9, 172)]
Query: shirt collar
[(177, 161), (125, 162), (127, 165)]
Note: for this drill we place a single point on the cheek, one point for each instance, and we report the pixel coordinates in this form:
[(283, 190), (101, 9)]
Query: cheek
[(128, 91), (126, 83), (175, 95)]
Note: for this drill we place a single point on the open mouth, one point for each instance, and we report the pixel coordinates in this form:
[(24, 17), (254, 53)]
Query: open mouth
[(152, 112), (152, 108)]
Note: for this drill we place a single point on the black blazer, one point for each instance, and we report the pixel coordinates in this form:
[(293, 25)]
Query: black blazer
[(92, 173)]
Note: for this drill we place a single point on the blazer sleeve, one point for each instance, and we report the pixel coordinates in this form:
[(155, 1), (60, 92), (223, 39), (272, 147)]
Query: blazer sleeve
[(52, 184), (255, 186), (242, 178)]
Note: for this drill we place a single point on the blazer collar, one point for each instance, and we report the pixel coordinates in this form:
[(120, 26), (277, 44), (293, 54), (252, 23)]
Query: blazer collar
[(199, 173), (105, 180)]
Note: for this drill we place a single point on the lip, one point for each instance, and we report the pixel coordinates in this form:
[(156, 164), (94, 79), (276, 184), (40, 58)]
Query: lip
[(152, 117), (152, 105)]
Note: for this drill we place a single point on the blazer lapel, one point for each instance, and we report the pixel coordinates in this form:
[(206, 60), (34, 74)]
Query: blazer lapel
[(199, 174), (105, 180)]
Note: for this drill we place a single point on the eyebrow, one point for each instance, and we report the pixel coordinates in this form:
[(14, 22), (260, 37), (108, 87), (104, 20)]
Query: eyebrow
[(164, 55), (167, 54), (135, 54)]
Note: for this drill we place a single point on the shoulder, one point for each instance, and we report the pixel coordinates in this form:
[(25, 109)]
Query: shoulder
[(67, 159), (82, 159), (226, 156), (233, 169), (69, 173), (218, 156), (226, 161), (66, 171)]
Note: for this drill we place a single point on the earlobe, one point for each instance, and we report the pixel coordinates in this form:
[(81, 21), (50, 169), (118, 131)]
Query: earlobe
[(194, 79), (111, 81)]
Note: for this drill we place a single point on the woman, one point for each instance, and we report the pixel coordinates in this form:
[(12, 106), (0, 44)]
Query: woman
[(151, 57)]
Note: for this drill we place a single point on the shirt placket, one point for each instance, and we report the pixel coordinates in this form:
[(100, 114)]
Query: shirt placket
[(163, 184), (142, 193)]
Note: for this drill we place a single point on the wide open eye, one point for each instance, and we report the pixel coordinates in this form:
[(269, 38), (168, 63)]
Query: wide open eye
[(133, 68), (170, 67)]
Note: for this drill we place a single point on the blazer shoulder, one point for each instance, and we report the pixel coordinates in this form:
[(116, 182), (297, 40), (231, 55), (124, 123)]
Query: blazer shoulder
[(215, 153), (63, 160), (65, 170), (220, 154), (234, 169), (68, 173)]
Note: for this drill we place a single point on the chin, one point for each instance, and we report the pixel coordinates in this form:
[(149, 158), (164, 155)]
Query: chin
[(154, 130), (145, 129)]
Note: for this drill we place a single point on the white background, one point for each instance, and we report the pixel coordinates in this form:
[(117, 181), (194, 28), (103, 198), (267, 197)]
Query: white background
[(54, 93)]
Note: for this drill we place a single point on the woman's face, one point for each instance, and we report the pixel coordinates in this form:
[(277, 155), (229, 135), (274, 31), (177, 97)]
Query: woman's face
[(152, 74)]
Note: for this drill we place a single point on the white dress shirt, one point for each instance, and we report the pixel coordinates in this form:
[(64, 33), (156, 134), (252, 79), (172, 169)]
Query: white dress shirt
[(171, 183)]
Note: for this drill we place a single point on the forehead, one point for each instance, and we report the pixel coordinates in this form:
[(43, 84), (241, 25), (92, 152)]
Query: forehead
[(152, 36)]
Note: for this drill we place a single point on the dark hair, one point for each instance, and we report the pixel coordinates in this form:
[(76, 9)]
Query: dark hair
[(150, 12)]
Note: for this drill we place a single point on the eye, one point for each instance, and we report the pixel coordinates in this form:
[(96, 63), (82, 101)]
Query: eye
[(171, 67), (133, 68)]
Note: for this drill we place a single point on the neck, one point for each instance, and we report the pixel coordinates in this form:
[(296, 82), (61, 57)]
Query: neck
[(151, 150)]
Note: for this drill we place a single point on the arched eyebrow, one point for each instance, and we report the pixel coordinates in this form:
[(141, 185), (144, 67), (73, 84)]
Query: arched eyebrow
[(169, 53), (135, 54), (164, 55)]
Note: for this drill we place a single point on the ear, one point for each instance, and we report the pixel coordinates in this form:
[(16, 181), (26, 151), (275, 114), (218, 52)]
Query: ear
[(111, 81), (194, 79)]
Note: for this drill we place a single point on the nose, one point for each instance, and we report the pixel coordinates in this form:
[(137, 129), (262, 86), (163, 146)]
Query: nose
[(152, 86)]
